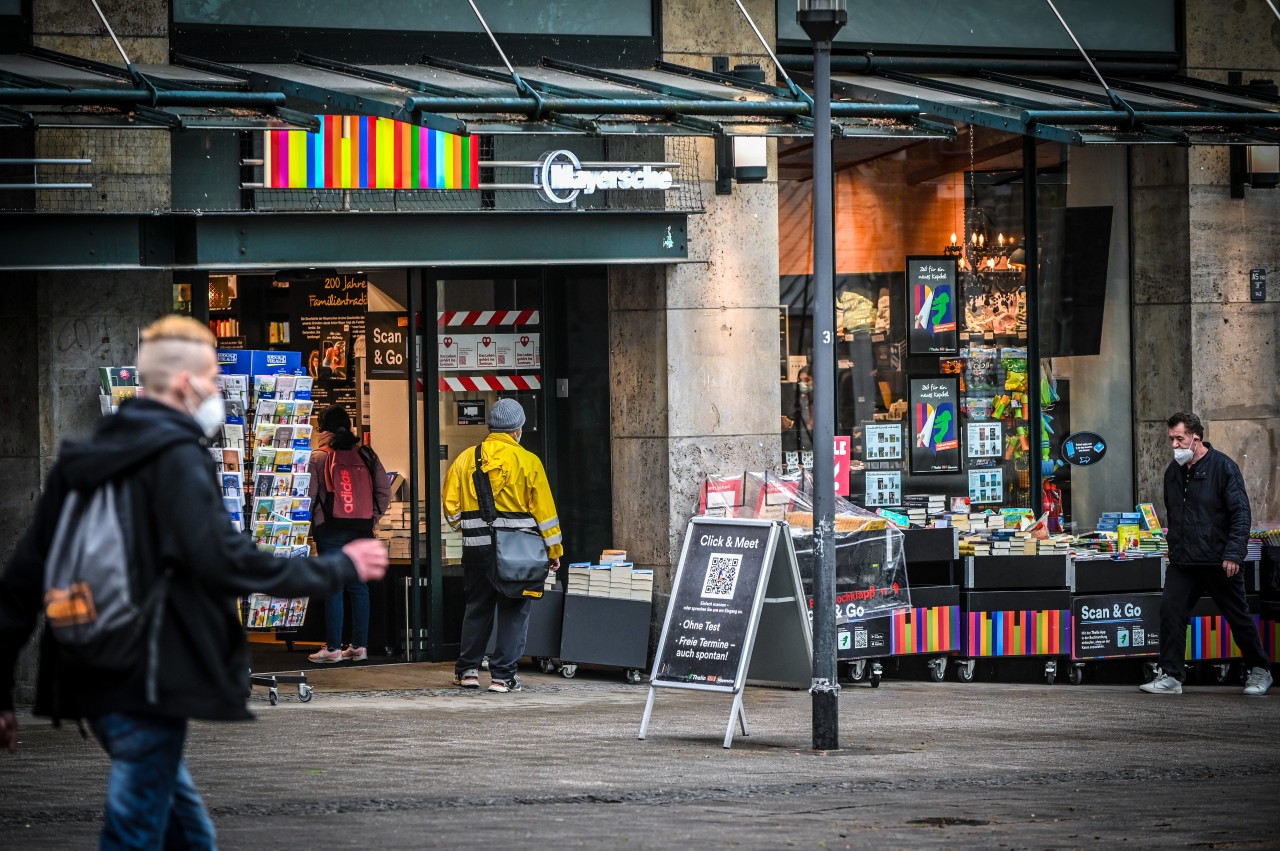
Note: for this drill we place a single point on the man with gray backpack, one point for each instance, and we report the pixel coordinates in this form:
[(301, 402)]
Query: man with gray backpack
[(135, 563)]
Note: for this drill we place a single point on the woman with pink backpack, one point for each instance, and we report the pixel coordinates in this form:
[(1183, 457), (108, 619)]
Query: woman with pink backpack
[(349, 494)]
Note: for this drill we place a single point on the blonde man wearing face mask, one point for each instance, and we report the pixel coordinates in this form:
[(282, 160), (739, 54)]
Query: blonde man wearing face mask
[(182, 541), (1209, 521)]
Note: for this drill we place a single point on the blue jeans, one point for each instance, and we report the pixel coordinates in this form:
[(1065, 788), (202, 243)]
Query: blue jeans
[(330, 541), (151, 800)]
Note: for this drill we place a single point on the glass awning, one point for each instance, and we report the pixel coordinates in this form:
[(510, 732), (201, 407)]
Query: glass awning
[(44, 88), (1076, 109)]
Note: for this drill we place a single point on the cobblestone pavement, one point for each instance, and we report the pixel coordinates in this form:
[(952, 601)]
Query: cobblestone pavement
[(398, 759)]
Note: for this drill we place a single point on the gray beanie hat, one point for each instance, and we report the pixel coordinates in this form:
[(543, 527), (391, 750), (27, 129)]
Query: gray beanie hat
[(506, 415)]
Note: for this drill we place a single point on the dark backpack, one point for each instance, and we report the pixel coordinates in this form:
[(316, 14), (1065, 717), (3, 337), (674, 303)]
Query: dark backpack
[(348, 478), (93, 601)]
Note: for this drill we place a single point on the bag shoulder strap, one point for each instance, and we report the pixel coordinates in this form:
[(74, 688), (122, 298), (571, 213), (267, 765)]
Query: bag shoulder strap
[(484, 491), (370, 459)]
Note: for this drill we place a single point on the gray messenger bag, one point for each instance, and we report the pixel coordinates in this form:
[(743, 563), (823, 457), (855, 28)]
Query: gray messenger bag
[(519, 567)]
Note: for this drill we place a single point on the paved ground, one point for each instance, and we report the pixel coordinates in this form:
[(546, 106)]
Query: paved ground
[(392, 757)]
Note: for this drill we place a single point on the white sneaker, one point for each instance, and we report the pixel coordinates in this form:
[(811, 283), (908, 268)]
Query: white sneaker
[(1258, 682), (1163, 684), (355, 654), (325, 656)]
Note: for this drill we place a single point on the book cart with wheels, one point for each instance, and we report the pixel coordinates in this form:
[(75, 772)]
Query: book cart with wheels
[(1212, 654), (1115, 611), (931, 627), (605, 631), (546, 620), (1015, 606)]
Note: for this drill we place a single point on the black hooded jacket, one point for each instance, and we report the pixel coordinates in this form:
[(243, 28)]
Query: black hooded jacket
[(1208, 511), (179, 525)]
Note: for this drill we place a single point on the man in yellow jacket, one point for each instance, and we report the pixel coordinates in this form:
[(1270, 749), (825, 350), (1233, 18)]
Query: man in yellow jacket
[(523, 498)]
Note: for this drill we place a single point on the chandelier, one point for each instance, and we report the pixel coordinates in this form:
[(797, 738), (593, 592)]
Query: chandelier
[(979, 253)]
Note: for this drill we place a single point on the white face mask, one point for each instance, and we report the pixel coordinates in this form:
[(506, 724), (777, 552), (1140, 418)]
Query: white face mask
[(1182, 456), (210, 414)]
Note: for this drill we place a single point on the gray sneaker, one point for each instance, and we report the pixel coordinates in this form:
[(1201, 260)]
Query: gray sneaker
[(1163, 684), (470, 678), (1258, 682)]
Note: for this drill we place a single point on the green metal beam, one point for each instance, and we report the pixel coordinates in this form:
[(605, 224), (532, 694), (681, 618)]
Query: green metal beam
[(366, 240), (650, 106), (305, 96), (1178, 118), (130, 97)]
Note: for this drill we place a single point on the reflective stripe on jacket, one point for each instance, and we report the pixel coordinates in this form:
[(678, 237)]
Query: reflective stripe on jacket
[(520, 489)]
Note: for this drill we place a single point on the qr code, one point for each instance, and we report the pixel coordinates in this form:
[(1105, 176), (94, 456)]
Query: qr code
[(859, 639), (1139, 637), (722, 575)]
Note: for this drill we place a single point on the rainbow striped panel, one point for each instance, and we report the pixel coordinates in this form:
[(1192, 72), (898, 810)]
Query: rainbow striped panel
[(934, 629), (364, 152), (1270, 631), (1209, 637), (1018, 633)]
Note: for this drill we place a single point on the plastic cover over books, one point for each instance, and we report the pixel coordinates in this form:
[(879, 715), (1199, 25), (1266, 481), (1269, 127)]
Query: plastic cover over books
[(871, 566)]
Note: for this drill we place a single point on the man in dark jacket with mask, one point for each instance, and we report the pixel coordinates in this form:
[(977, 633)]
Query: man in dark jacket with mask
[(1208, 513), (156, 447)]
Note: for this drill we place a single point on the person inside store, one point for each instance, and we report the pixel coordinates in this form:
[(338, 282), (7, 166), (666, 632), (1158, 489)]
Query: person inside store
[(194, 661), (1208, 511), (522, 497), (349, 493), (797, 427)]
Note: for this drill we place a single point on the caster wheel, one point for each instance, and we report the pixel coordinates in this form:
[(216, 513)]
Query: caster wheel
[(1150, 671), (857, 671), (1050, 672), (938, 669), (568, 671), (633, 677), (273, 697), (874, 679), (964, 671), (305, 693), (484, 664), (1075, 676), (546, 666)]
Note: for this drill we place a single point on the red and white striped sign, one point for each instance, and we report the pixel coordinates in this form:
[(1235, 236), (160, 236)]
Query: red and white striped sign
[(496, 383), (455, 318)]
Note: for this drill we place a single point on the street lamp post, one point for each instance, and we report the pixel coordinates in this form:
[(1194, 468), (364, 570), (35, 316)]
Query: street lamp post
[(821, 20)]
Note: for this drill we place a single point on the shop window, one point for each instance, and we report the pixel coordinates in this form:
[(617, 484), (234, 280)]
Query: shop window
[(934, 385)]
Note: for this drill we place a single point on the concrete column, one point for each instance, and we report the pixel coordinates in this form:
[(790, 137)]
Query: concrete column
[(694, 358), (131, 168), (1235, 380)]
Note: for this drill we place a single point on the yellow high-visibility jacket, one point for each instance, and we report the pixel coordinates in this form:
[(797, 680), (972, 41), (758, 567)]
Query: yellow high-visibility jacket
[(520, 489)]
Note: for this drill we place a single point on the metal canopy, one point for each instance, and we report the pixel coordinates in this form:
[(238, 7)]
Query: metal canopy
[(557, 97), (1075, 109), (44, 88)]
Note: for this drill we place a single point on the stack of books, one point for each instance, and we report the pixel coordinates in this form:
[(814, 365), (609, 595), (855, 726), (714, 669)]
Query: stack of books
[(1154, 543), (598, 580), (578, 581), (1110, 521), (1054, 545), (922, 506), (396, 529)]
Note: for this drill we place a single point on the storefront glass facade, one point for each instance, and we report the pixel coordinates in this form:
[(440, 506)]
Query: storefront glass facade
[(934, 361)]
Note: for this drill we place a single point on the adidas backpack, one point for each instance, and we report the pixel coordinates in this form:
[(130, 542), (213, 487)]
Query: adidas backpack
[(348, 478)]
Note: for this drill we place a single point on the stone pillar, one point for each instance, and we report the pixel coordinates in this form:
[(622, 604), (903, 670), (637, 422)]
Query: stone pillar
[(131, 168), (1235, 381), (694, 357)]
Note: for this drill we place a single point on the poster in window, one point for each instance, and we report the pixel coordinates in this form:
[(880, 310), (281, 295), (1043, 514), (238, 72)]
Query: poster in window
[(935, 425), (931, 299)]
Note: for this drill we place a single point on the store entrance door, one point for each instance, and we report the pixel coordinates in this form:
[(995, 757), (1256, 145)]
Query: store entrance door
[(539, 337)]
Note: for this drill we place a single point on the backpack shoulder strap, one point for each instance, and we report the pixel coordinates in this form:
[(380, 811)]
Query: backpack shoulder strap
[(370, 459)]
